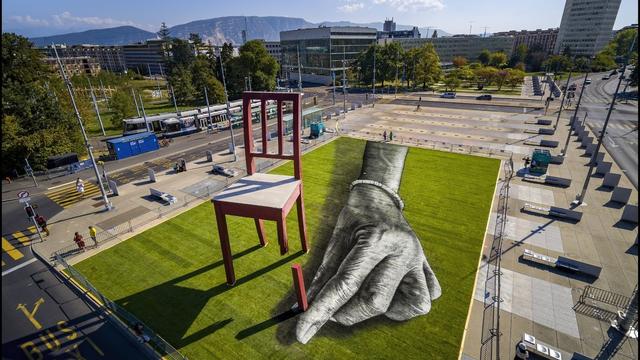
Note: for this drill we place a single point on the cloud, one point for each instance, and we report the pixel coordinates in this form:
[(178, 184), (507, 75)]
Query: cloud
[(351, 6), (68, 20), (405, 5)]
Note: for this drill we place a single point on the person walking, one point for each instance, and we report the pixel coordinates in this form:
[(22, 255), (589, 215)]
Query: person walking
[(77, 238), (42, 223), (80, 187), (419, 102), (93, 234), (384, 135), (391, 136)]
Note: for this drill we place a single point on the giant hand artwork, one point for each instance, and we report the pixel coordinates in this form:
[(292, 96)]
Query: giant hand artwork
[(374, 263)]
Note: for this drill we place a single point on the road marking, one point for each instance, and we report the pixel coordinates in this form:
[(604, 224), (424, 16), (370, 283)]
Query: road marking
[(612, 143), (24, 239), (18, 267), (61, 185), (9, 249)]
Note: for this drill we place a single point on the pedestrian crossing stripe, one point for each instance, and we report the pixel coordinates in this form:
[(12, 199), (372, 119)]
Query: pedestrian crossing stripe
[(67, 195), (10, 250), (24, 239)]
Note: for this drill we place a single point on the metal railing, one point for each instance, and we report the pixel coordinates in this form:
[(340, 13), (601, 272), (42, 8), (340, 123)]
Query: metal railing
[(490, 340)]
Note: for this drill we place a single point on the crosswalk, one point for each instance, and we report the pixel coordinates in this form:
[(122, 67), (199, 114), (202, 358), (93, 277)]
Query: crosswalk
[(12, 244), (67, 195)]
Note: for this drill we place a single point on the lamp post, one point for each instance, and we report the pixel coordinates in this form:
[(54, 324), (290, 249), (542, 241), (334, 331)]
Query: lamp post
[(175, 104), (95, 107), (226, 99), (144, 113), (299, 69), (206, 98), (564, 95), (373, 103), (107, 204), (135, 101), (575, 115)]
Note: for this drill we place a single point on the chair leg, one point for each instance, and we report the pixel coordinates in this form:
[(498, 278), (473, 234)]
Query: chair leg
[(302, 223), (225, 246), (282, 235), (261, 233)]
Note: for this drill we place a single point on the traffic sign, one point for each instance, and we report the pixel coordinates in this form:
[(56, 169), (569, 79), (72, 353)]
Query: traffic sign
[(23, 194), (24, 200)]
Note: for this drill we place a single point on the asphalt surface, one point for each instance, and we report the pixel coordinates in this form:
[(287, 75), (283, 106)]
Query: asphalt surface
[(43, 317), (621, 136)]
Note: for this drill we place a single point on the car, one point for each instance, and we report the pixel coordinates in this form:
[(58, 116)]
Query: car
[(573, 87), (448, 95), (606, 77), (484, 97), (588, 81), (613, 73), (217, 169)]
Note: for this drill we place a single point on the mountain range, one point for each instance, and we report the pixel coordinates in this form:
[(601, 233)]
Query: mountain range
[(216, 30)]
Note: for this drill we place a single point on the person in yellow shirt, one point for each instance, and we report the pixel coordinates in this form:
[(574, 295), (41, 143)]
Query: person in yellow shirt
[(93, 233)]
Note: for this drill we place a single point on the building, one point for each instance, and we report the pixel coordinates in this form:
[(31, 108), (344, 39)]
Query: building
[(586, 26), (389, 25), (546, 38), (109, 57), (147, 57), (273, 48), (79, 65), (468, 46), (389, 31), (323, 51)]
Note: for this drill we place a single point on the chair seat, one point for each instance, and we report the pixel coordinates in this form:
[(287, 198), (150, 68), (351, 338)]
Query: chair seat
[(265, 190)]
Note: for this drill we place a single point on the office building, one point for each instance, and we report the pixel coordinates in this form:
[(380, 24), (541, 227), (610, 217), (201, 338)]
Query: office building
[(389, 25), (147, 57), (545, 38), (468, 46), (586, 26), (323, 51), (273, 48), (79, 65), (109, 57), (389, 31)]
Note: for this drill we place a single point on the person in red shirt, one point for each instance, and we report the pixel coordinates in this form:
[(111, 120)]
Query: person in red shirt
[(77, 238)]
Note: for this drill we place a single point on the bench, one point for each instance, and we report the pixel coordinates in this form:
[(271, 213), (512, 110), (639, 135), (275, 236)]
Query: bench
[(563, 263), (167, 198), (539, 348), (552, 211), (548, 180)]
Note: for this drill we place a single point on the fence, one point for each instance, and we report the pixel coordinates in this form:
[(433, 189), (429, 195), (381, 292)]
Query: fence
[(490, 340), (162, 347)]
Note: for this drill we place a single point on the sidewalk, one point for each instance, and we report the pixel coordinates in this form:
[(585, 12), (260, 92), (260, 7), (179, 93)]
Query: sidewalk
[(135, 210)]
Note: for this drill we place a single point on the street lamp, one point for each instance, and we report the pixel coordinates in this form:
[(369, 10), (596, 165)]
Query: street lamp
[(226, 99)]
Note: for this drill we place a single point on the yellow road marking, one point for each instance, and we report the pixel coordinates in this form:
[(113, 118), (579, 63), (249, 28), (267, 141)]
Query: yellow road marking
[(9, 249), (32, 229), (24, 239)]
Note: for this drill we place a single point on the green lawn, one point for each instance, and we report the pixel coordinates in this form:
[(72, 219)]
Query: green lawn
[(171, 276)]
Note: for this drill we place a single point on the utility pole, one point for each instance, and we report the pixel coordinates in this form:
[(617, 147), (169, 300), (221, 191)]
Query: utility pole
[(226, 99), (29, 172), (564, 95), (107, 204), (175, 104), (485, 32), (135, 101), (299, 70), (396, 81), (95, 106), (592, 163), (574, 118), (206, 98), (104, 94), (144, 114)]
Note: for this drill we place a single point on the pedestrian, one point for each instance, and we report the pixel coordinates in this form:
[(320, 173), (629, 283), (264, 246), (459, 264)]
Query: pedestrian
[(527, 160), (42, 223), (384, 135), (391, 136), (93, 234), (138, 329), (77, 238), (419, 102), (80, 187)]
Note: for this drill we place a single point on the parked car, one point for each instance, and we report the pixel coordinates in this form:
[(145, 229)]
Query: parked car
[(484, 97), (448, 95), (588, 81), (573, 87), (217, 169), (606, 77)]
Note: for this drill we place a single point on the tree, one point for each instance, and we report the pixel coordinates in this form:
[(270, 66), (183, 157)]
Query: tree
[(434, 35), (484, 57), (633, 78), (501, 77), (603, 61), (459, 61), (452, 80), (411, 58), (518, 56), (514, 78), (498, 59), (122, 106), (163, 33), (535, 57), (391, 59), (581, 64), (557, 63), (34, 124), (567, 51), (621, 43), (428, 67), (485, 76), (182, 54), (182, 82), (196, 39), (203, 76), (254, 61)]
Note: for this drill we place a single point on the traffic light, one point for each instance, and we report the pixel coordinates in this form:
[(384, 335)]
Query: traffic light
[(29, 210)]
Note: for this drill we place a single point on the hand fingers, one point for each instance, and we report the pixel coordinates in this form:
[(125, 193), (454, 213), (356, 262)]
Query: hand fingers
[(412, 297), (375, 295), (339, 289), (432, 282)]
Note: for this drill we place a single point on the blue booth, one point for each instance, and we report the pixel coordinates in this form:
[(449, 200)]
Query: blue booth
[(131, 145)]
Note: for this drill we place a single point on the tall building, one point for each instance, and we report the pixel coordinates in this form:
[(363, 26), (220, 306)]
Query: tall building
[(586, 26), (389, 25), (411, 34), (146, 57), (546, 38), (109, 57), (78, 65), (321, 51), (468, 46), (273, 48)]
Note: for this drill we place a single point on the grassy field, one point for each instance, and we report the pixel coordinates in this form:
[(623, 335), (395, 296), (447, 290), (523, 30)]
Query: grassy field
[(172, 278)]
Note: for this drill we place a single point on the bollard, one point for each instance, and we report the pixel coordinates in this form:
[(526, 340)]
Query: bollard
[(209, 156), (152, 175), (298, 282)]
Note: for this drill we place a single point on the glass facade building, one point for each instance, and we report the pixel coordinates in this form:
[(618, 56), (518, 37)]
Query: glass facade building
[(322, 51)]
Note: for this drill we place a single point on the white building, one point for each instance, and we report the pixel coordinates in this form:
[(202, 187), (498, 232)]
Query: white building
[(586, 26)]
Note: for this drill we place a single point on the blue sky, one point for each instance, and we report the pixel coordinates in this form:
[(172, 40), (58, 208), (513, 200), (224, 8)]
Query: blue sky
[(46, 17)]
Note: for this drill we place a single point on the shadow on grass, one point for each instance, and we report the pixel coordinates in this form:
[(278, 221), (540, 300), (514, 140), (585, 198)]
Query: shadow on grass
[(193, 301)]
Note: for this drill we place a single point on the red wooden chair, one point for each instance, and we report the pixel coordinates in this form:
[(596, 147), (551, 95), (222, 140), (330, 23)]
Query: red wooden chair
[(264, 196)]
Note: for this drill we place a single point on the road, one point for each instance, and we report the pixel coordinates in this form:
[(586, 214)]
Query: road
[(621, 137)]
